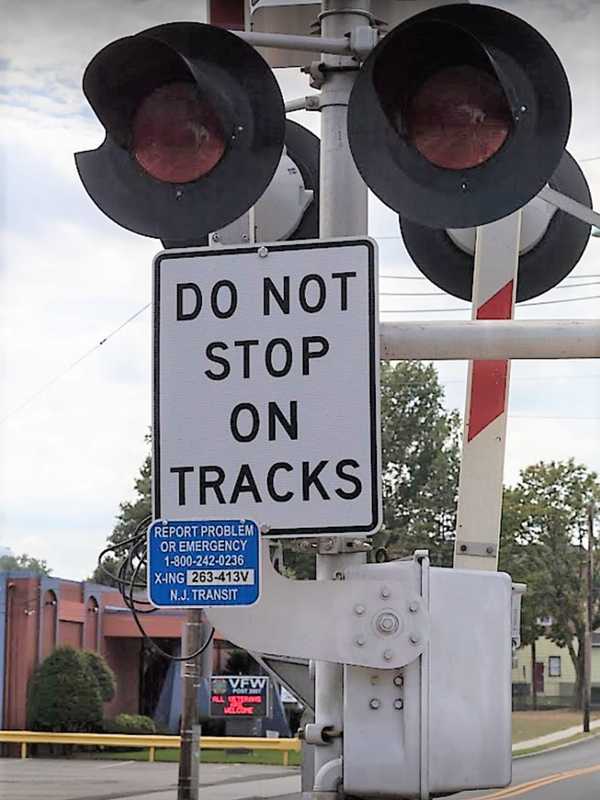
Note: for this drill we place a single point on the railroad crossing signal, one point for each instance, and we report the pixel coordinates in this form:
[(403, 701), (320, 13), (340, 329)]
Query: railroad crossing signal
[(458, 118), (195, 130), (552, 242)]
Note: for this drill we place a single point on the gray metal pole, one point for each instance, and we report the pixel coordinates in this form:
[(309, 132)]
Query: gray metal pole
[(187, 788), (343, 194), (343, 212), (589, 616)]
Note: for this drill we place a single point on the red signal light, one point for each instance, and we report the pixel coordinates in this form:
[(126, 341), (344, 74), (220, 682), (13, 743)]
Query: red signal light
[(458, 118), (176, 135)]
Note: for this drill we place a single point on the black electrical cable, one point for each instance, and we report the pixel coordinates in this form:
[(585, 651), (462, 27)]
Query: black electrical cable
[(126, 586), (137, 537)]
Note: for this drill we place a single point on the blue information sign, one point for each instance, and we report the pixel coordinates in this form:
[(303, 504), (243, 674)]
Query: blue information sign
[(203, 563)]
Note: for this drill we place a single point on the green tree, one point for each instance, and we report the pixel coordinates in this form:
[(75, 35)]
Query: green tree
[(130, 519), (24, 563), (420, 465), (64, 694), (420, 461), (553, 501), (105, 677), (240, 662), (523, 559)]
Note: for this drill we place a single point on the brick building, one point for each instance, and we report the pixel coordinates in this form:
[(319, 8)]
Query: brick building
[(39, 613)]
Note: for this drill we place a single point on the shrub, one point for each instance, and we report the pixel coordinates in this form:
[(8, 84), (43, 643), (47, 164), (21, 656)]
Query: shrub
[(104, 675), (64, 694), (130, 723)]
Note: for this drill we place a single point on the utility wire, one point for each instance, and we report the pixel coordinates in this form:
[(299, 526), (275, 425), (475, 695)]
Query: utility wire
[(423, 278), (72, 366), (437, 294), (468, 308)]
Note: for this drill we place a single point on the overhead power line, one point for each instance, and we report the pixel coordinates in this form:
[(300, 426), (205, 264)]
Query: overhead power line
[(72, 366), (423, 278), (468, 308), (437, 294)]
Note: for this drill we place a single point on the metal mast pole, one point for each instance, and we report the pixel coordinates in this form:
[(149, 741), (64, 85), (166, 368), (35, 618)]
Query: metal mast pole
[(187, 787), (587, 681), (343, 212)]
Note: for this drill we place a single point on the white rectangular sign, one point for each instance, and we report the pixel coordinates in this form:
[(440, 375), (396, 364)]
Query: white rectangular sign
[(266, 386)]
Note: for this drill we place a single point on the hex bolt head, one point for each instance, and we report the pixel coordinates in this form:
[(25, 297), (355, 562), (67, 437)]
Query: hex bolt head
[(387, 622), (388, 655), (385, 592), (374, 703), (359, 609), (413, 606), (360, 641), (263, 252), (414, 638), (398, 704), (398, 681)]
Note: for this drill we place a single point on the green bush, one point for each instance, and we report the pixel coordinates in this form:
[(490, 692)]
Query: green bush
[(130, 723), (64, 694), (104, 675)]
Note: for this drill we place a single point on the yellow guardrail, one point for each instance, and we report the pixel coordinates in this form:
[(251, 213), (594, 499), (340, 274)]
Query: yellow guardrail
[(151, 741)]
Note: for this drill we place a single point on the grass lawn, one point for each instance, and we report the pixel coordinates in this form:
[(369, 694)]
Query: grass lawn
[(529, 724)]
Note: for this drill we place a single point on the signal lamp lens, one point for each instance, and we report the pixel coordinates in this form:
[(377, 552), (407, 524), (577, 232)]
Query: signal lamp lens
[(177, 137), (458, 118)]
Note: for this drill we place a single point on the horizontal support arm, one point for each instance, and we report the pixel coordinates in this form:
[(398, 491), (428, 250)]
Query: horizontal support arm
[(310, 102), (570, 206), (490, 339), (315, 44)]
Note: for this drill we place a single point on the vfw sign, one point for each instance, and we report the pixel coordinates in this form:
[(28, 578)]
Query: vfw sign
[(266, 386)]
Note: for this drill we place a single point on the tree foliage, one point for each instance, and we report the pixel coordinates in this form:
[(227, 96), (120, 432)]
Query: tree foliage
[(545, 545), (129, 519), (64, 694), (420, 461), (240, 662), (24, 563), (420, 464)]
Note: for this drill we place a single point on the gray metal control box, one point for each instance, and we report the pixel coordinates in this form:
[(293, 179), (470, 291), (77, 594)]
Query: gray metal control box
[(442, 722)]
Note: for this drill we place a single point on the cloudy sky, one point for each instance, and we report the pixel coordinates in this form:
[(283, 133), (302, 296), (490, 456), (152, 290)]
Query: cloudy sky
[(74, 412)]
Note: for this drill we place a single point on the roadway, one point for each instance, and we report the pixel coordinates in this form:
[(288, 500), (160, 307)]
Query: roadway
[(571, 772), (78, 779)]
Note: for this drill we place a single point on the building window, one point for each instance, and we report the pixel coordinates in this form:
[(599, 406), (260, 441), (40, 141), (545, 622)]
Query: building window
[(554, 666)]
